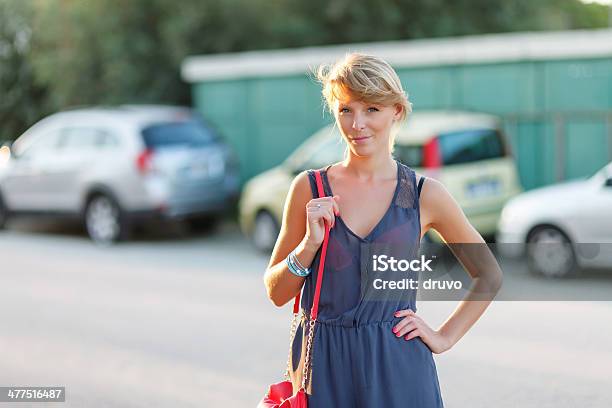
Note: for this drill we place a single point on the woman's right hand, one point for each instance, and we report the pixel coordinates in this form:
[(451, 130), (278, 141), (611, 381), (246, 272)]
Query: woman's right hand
[(319, 211)]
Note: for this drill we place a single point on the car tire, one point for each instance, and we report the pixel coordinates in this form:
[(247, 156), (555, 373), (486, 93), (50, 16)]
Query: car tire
[(104, 221), (550, 253), (203, 224), (265, 231), (3, 214)]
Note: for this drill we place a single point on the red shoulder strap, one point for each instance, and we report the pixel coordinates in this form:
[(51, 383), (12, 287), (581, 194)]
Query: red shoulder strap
[(315, 302)]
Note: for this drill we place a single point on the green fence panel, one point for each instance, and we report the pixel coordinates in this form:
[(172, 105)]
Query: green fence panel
[(578, 85), (265, 118), (498, 88), (586, 148), (534, 149), (428, 88)]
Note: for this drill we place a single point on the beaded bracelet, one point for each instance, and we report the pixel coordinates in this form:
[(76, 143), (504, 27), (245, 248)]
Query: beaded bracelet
[(295, 267)]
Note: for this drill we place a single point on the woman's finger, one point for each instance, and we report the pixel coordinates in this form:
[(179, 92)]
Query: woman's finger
[(402, 323), (413, 334), (323, 208), (326, 216), (320, 204), (325, 202), (332, 219), (335, 200), (407, 328), (405, 312)]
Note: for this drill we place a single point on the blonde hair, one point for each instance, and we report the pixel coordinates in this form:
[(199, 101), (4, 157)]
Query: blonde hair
[(366, 78)]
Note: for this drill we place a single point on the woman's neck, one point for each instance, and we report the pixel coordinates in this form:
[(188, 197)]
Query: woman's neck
[(371, 168)]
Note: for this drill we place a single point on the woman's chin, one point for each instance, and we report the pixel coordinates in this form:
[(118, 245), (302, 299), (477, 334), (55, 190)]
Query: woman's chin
[(363, 151)]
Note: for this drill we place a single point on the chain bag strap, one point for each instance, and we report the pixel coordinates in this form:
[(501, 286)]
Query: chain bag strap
[(280, 395), (315, 303)]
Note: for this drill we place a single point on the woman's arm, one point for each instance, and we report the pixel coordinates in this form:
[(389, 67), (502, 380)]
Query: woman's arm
[(440, 211), (302, 229), (445, 216)]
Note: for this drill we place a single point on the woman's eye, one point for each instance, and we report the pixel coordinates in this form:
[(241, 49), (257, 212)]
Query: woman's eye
[(343, 110), (372, 109)]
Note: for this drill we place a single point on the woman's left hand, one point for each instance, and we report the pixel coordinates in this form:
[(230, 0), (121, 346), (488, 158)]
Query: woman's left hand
[(412, 326)]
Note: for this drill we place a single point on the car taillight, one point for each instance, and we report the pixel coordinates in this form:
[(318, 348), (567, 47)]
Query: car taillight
[(432, 157), (143, 161)]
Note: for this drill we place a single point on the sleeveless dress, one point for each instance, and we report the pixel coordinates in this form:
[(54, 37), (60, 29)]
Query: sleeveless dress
[(357, 360)]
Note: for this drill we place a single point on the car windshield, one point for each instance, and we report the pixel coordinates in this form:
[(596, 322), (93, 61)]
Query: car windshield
[(470, 145), (605, 172), (190, 133)]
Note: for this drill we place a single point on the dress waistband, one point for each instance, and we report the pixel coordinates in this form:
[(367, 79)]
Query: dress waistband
[(349, 321)]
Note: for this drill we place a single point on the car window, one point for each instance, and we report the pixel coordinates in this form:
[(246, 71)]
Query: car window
[(190, 133), (411, 156), (328, 151), (470, 145), (107, 139), (38, 144), (85, 138)]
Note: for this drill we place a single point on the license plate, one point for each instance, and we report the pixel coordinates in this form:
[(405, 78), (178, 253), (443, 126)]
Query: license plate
[(483, 188), (212, 168), (216, 166), (198, 170)]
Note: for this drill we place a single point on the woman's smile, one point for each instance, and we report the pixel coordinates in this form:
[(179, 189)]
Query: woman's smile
[(360, 139)]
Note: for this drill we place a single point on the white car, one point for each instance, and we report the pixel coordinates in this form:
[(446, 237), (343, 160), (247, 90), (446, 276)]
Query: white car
[(561, 228), (116, 166)]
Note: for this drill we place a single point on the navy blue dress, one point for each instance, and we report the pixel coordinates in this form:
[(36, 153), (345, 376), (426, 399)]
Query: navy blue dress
[(357, 359)]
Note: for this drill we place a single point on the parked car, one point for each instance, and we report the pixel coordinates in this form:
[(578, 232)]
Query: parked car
[(114, 167), (561, 228), (466, 151)]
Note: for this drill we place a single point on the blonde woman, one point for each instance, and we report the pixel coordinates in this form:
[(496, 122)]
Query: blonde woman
[(366, 353)]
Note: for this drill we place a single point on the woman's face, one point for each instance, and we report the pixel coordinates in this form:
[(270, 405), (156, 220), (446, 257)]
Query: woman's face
[(366, 127)]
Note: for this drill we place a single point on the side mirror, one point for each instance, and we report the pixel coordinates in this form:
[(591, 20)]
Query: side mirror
[(296, 170), (291, 168)]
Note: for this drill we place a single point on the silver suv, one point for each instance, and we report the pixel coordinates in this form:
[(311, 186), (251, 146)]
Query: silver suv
[(115, 166)]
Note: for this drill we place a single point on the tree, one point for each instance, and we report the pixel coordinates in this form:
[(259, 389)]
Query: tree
[(21, 97), (60, 53)]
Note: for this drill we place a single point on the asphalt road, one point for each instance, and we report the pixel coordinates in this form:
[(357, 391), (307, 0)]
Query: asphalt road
[(183, 321)]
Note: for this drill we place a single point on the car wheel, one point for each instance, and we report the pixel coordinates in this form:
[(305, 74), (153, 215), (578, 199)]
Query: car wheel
[(550, 253), (265, 232), (103, 220)]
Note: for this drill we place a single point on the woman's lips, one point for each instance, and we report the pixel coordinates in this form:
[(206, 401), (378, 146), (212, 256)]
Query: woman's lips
[(360, 140)]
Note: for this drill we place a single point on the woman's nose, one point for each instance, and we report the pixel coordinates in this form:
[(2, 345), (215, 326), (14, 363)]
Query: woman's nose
[(358, 123)]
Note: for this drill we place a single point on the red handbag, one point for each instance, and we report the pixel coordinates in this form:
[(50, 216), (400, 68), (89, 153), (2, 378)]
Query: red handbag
[(280, 395)]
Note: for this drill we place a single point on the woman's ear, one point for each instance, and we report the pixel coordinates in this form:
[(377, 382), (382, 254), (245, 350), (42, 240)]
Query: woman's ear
[(399, 109)]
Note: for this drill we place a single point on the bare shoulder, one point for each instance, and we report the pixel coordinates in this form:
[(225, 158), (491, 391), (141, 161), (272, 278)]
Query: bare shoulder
[(431, 188), (434, 195), (300, 189), (299, 194), (434, 201), (293, 226)]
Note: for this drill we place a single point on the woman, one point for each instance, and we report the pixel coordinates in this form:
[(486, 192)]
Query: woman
[(367, 352)]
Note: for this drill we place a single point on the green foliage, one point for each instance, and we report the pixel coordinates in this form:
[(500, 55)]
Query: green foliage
[(105, 52), (60, 53), (21, 98)]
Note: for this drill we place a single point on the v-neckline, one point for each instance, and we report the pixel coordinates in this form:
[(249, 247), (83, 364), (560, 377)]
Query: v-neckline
[(382, 219)]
